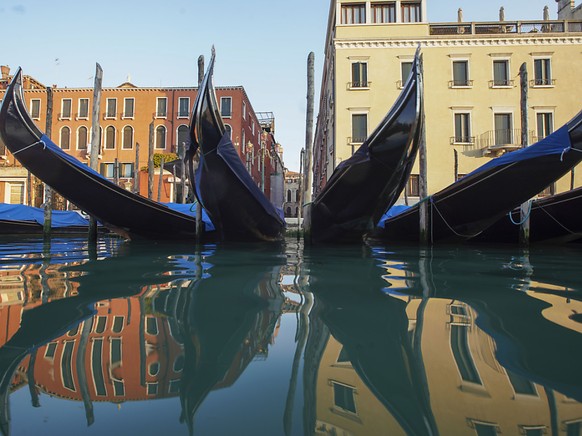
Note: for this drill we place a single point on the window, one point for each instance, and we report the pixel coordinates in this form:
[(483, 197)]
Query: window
[(545, 124), (108, 170), (485, 429), (178, 365), (16, 193), (126, 170), (128, 107), (244, 111), (84, 108), (359, 75), (405, 69), (412, 187), (67, 366), (111, 111), (65, 139), (503, 129), (501, 73), (110, 138), (574, 428), (229, 130), (383, 12), (359, 128), (463, 128), (288, 195), (100, 325), (462, 354), (115, 350), (161, 107), (542, 72), (343, 397), (152, 388), (82, 138), (183, 107), (50, 350), (183, 133), (35, 109), (353, 13), (154, 368), (97, 367), (161, 137), (117, 326), (226, 106), (151, 325), (461, 73), (127, 143), (66, 108), (410, 12), (521, 385)]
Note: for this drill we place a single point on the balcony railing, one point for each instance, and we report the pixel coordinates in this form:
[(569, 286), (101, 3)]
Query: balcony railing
[(506, 27), (462, 140), (464, 83), (355, 140), (542, 82), (502, 140), (498, 83), (359, 85)]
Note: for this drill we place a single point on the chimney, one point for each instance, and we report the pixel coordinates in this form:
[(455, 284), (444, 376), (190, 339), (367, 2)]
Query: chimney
[(5, 69)]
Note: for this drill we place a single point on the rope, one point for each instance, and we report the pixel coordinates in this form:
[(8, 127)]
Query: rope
[(524, 219), (567, 150), (447, 224), (558, 222), (31, 145)]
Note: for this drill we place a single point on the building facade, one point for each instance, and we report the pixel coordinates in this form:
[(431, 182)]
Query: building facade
[(132, 120), (292, 187), (472, 84)]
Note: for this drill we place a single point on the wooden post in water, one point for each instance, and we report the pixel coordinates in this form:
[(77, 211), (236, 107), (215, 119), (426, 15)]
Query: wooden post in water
[(48, 192), (151, 162), (199, 224), (161, 180), (95, 140), (307, 188), (425, 205), (525, 208), (136, 170)]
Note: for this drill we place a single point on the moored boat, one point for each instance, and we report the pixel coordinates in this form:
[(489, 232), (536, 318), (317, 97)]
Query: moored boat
[(364, 186), (122, 211), (237, 207), (467, 207)]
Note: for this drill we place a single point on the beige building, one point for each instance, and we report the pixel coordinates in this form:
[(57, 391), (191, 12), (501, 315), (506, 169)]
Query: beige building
[(472, 83)]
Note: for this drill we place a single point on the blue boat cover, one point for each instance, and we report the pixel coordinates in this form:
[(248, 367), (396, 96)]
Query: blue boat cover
[(556, 143), (393, 211), (20, 212), (190, 209)]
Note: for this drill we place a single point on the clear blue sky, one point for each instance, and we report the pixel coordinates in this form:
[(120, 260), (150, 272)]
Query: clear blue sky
[(261, 44)]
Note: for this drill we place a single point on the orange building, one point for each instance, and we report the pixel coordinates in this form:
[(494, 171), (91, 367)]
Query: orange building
[(133, 122)]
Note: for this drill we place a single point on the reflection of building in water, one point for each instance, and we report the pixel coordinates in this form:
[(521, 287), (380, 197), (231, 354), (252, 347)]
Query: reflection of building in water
[(131, 349), (469, 391)]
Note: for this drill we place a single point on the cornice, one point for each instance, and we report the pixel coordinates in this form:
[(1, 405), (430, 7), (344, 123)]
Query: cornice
[(457, 42)]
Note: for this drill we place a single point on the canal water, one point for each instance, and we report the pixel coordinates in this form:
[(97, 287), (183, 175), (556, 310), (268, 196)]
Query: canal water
[(159, 339)]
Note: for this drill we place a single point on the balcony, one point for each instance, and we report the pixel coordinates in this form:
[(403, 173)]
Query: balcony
[(505, 27), (494, 143)]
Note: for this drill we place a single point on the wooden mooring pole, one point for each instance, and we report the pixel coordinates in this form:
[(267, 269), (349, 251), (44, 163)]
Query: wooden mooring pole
[(425, 206), (48, 193), (151, 162), (525, 208), (95, 140), (307, 185)]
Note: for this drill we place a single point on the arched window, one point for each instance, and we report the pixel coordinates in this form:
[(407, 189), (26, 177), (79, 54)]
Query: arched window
[(182, 136), (65, 138), (110, 138), (82, 138), (297, 195), (161, 137), (127, 138), (289, 195), (229, 130), (288, 212)]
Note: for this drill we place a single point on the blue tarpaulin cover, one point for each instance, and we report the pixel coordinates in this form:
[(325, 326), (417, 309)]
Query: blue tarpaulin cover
[(393, 211), (20, 212), (190, 209)]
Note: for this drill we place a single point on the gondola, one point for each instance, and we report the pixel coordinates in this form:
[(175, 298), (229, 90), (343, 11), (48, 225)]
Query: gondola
[(237, 207), (126, 213), (467, 207), (364, 186), (552, 220)]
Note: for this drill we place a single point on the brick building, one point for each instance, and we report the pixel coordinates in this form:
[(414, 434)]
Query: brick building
[(132, 119)]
